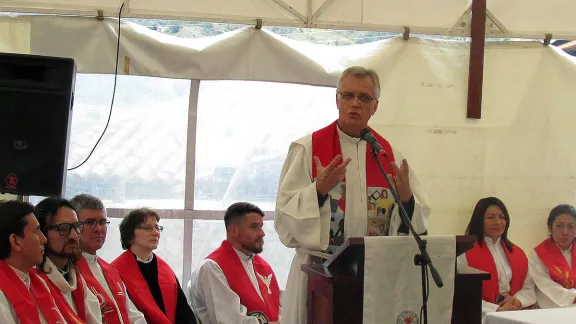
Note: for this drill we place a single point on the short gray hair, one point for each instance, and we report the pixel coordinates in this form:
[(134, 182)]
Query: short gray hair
[(86, 201), (362, 72)]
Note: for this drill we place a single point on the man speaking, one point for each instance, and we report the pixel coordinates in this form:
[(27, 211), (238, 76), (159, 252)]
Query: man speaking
[(331, 188)]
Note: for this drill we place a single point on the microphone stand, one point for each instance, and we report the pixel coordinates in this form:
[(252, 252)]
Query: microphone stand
[(422, 259)]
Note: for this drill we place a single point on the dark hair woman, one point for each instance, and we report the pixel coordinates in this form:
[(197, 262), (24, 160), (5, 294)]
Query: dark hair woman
[(510, 287), (553, 262)]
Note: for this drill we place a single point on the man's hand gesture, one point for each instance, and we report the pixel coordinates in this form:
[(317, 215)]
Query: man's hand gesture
[(401, 181), (328, 177)]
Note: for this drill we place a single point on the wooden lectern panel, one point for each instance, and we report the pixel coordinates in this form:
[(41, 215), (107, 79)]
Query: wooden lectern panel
[(336, 288), (336, 298), (467, 305)]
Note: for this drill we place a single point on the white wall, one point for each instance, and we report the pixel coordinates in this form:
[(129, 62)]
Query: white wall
[(520, 151), (14, 34)]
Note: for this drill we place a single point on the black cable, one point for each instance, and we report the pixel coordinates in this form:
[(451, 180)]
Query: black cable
[(113, 93)]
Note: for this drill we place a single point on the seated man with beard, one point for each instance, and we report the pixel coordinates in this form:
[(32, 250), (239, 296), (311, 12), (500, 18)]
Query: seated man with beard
[(234, 285), (59, 224)]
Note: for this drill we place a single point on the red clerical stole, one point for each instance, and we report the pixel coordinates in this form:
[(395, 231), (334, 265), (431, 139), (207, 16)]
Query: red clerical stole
[(110, 313), (479, 257), (140, 293), (27, 302), (380, 202), (71, 316), (558, 267), (240, 283)]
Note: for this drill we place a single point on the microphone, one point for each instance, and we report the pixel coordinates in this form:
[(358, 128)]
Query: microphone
[(366, 134)]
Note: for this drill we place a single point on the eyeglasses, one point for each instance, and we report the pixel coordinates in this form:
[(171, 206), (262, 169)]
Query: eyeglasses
[(64, 229), (91, 222), (363, 97), (150, 228)]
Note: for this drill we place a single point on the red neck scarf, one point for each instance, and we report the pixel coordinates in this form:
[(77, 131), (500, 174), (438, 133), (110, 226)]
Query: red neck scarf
[(141, 295), (326, 146), (558, 267), (26, 301), (111, 312), (479, 257), (71, 316), (240, 283)]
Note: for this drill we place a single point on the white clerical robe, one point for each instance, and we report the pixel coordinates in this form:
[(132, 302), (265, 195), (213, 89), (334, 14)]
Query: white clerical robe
[(92, 306), (212, 299), (134, 315), (7, 313), (526, 295), (549, 293), (303, 225)]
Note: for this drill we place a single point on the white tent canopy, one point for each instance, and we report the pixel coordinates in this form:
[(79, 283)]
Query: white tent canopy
[(520, 151), (510, 18), (526, 126)]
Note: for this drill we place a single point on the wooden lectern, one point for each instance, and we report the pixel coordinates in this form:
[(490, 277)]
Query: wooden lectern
[(336, 287)]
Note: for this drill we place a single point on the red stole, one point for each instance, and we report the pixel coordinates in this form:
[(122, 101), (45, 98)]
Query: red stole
[(326, 145), (240, 283), (78, 317), (110, 313), (24, 300), (140, 293), (479, 257), (558, 267)]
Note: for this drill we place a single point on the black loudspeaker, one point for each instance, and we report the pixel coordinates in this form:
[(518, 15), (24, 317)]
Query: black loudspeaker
[(36, 98)]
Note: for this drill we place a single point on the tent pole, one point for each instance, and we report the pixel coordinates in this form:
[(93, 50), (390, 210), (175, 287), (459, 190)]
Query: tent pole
[(476, 68)]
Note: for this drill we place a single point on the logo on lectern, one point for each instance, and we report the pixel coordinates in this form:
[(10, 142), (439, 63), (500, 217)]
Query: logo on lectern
[(408, 317)]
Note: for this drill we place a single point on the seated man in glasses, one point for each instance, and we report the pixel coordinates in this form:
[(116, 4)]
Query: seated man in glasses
[(101, 277), (151, 283), (58, 268)]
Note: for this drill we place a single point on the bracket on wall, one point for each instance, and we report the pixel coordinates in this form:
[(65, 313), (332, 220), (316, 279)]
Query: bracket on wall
[(547, 39), (406, 34)]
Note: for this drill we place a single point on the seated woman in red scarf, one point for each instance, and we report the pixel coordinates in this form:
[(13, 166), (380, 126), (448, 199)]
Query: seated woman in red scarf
[(510, 286), (152, 285), (553, 262)]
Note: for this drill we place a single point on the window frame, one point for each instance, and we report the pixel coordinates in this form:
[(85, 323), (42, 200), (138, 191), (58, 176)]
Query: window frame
[(189, 213)]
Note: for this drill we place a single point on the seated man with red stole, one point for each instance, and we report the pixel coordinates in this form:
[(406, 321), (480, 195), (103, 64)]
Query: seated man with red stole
[(553, 262), (235, 285), (60, 226), (24, 297), (510, 286), (101, 278), (152, 285)]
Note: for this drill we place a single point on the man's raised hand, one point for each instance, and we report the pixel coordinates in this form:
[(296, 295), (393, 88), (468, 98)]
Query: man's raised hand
[(328, 177)]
